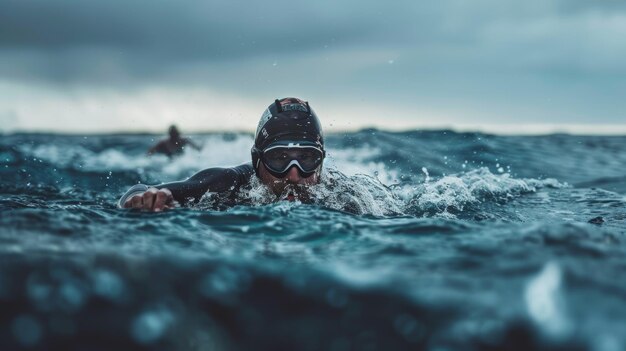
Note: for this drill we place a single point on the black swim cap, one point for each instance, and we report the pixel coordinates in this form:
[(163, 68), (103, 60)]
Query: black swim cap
[(289, 120)]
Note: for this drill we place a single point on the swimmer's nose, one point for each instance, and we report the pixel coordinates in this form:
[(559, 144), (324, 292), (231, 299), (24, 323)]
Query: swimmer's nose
[(293, 176)]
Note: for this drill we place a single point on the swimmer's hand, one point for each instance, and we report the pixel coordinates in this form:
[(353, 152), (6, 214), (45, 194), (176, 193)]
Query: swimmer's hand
[(153, 199)]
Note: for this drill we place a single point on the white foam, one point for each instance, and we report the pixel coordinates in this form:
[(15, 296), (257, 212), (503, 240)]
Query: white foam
[(457, 191), (363, 194), (544, 302), (215, 151), (360, 193), (353, 161)]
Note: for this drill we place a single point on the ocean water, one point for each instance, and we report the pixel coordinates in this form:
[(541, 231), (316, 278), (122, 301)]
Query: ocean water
[(422, 240)]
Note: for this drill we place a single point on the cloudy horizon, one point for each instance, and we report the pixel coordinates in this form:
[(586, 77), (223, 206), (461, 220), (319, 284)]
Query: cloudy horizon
[(495, 66)]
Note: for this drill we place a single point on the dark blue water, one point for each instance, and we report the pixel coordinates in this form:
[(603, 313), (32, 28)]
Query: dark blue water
[(423, 241)]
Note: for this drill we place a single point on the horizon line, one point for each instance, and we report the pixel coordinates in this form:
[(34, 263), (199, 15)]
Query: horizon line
[(493, 129)]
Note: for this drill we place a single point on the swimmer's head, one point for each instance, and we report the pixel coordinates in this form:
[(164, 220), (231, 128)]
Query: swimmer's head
[(173, 132), (288, 145)]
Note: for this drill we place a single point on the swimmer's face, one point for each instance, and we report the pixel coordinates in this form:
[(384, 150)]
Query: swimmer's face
[(293, 185)]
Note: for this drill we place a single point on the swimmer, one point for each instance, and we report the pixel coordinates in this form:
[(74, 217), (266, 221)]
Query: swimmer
[(173, 146), (287, 157)]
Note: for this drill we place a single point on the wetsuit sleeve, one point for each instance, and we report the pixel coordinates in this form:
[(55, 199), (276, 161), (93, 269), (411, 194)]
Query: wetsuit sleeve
[(213, 179)]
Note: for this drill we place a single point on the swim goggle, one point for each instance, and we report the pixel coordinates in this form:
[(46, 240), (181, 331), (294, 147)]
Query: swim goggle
[(278, 159)]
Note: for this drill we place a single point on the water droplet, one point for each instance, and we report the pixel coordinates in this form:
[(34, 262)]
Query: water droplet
[(425, 171), (72, 295), (108, 284), (26, 330), (151, 325)]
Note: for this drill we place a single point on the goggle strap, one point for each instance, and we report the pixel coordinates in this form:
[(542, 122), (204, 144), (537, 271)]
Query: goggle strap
[(279, 108)]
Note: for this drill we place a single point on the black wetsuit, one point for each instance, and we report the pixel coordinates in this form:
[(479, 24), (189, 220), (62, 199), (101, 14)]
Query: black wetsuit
[(226, 182)]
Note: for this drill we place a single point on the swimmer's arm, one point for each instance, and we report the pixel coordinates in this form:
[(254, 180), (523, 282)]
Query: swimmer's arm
[(213, 179), (160, 147), (192, 144), (154, 149)]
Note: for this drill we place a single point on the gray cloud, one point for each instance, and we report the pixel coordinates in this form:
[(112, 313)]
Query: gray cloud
[(210, 30), (565, 59), (159, 32)]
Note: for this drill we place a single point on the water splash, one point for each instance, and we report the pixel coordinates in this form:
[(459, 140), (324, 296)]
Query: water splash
[(452, 194), (365, 195)]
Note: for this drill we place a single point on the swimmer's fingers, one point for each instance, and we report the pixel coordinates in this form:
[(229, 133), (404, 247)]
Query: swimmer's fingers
[(135, 201), (164, 200), (172, 205), (152, 200), (148, 199)]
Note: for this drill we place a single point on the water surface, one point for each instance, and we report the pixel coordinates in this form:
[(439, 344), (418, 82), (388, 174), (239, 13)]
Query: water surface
[(452, 241)]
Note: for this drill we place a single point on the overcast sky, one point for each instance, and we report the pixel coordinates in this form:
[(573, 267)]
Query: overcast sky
[(496, 65)]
